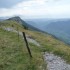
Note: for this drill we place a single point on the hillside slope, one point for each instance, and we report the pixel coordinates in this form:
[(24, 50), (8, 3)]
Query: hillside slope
[(60, 29), (13, 51), (25, 24), (57, 27), (14, 55)]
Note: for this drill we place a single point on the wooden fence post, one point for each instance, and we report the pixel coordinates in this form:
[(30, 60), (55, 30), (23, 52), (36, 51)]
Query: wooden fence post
[(27, 44)]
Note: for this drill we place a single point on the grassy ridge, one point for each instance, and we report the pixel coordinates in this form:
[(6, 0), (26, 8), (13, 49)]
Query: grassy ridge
[(10, 23), (50, 44), (14, 54)]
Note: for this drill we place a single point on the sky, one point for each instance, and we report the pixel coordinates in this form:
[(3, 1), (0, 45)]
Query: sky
[(35, 8)]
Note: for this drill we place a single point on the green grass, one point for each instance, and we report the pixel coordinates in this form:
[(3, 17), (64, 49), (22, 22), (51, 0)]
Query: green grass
[(50, 44), (10, 23), (14, 54)]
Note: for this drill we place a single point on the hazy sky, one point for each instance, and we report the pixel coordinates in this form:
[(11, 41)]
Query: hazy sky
[(35, 8)]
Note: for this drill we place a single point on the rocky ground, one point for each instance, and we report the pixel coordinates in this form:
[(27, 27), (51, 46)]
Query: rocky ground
[(55, 62)]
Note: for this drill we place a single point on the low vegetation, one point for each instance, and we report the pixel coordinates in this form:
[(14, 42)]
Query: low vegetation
[(14, 54), (52, 45)]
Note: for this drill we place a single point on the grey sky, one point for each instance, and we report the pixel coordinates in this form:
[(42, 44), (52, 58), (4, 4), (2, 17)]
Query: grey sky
[(35, 8), (8, 3)]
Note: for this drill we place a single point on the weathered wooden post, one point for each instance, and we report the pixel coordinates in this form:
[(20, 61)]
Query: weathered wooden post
[(27, 44)]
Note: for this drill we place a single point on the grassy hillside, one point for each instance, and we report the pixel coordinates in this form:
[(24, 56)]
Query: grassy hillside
[(10, 23), (50, 44), (14, 54)]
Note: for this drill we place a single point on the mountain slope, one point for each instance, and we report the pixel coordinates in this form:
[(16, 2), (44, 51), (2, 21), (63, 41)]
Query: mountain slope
[(26, 25), (13, 52), (60, 29), (14, 55)]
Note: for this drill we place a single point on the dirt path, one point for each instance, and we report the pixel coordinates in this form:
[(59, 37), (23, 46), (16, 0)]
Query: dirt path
[(55, 62)]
